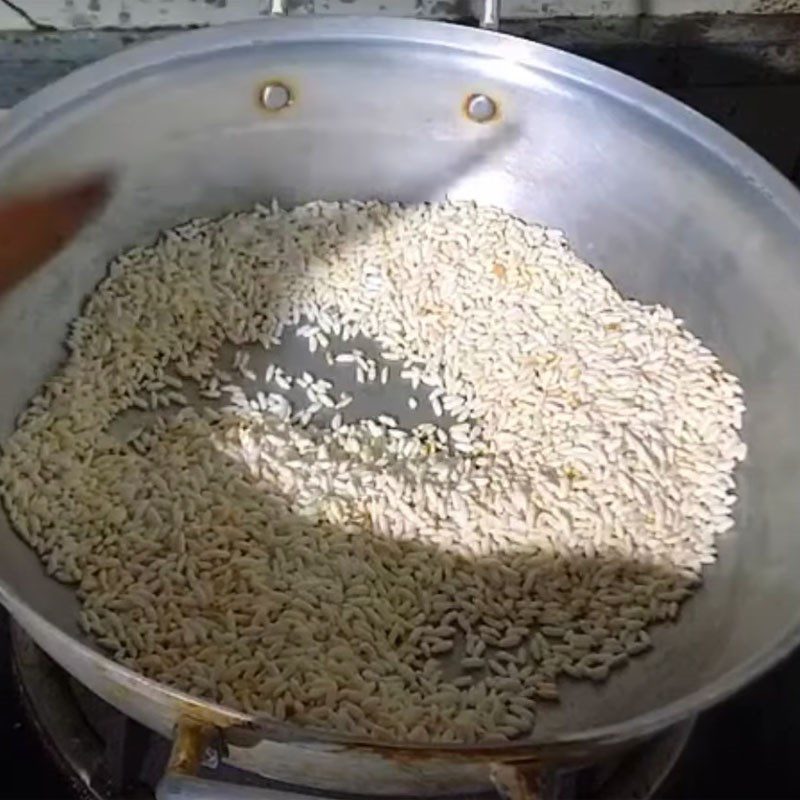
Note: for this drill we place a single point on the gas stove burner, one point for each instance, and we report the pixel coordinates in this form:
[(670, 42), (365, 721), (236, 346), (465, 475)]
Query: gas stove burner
[(106, 755)]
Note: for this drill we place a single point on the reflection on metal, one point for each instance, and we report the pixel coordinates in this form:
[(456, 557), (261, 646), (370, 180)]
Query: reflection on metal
[(211, 757), (480, 108), (490, 14), (275, 96)]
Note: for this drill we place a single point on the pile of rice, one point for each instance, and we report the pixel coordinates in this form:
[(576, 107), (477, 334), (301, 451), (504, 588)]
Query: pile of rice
[(563, 483)]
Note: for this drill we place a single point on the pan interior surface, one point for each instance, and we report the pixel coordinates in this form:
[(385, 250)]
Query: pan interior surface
[(673, 210)]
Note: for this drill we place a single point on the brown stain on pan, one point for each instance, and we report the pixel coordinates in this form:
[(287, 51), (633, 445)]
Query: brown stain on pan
[(189, 745), (129, 688)]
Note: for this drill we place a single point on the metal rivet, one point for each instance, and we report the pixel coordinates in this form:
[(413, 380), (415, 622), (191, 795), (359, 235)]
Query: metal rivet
[(275, 96), (481, 108), (210, 758)]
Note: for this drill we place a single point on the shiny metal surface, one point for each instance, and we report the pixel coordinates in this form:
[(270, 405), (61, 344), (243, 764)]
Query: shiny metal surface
[(490, 14), (275, 96), (481, 108), (671, 207)]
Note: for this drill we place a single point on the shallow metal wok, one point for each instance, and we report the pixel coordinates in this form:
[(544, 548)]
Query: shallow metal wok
[(672, 208)]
